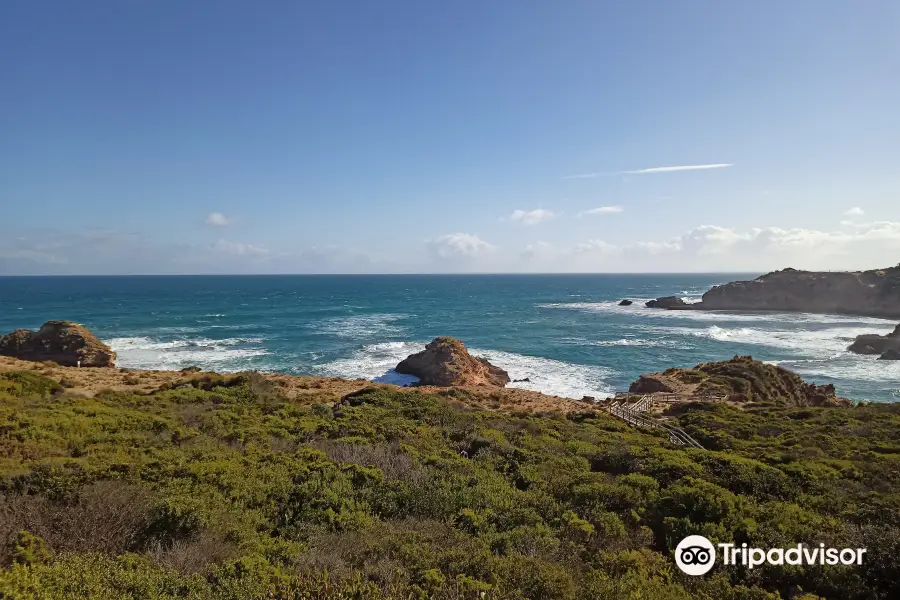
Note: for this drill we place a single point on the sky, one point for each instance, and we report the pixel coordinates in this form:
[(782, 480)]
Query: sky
[(400, 136)]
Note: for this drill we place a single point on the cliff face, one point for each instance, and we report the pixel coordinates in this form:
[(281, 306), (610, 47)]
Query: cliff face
[(869, 293), (62, 342), (446, 362), (740, 379)]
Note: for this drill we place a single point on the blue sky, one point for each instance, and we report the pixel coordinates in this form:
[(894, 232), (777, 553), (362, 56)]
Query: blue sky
[(145, 136)]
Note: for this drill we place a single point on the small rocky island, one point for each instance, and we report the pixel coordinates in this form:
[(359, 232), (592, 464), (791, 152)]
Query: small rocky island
[(445, 361), (63, 342)]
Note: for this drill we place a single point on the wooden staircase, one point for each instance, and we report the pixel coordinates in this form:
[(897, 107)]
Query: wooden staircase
[(637, 414)]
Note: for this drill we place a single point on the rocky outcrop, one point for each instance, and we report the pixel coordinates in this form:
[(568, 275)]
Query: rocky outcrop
[(62, 342), (626, 303), (740, 379), (446, 362), (890, 355), (667, 302), (652, 384), (876, 344), (873, 293)]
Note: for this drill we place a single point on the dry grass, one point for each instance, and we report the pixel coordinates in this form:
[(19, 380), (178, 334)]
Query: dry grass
[(303, 390)]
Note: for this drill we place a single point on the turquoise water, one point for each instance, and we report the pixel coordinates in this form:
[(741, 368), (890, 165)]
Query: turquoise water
[(565, 333)]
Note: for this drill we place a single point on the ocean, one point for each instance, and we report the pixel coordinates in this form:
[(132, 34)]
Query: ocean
[(565, 333)]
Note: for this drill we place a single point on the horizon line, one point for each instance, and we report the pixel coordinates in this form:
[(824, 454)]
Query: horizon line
[(428, 274)]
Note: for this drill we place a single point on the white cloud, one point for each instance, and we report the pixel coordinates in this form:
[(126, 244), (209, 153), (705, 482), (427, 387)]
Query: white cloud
[(657, 247), (238, 248), (217, 219), (459, 245), (530, 217), (604, 210), (706, 248), (596, 247), (652, 170), (854, 212)]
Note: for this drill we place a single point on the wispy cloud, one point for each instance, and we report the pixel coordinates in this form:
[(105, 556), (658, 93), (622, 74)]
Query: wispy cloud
[(530, 217), (681, 168), (217, 219), (603, 210), (238, 248), (854, 212), (653, 170)]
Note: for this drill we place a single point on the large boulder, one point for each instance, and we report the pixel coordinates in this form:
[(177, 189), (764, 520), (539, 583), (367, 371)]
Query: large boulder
[(62, 342), (626, 303), (667, 302), (876, 344), (446, 362), (874, 293)]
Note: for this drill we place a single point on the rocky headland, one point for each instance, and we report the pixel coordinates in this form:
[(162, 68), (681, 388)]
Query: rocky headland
[(62, 342), (874, 293)]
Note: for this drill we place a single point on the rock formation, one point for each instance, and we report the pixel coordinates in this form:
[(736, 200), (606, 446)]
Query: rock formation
[(446, 362), (890, 355), (873, 293), (652, 384), (666, 302), (740, 379), (626, 303), (876, 344), (62, 342)]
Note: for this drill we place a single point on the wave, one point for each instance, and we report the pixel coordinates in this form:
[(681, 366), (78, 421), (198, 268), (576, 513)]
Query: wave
[(850, 367), (360, 326), (826, 342), (377, 361), (143, 352), (373, 361), (638, 310), (643, 343), (549, 376)]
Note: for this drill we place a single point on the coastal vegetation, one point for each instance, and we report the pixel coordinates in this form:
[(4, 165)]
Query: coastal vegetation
[(222, 487)]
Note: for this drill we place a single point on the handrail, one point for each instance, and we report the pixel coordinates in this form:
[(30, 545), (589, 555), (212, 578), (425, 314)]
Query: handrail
[(631, 414)]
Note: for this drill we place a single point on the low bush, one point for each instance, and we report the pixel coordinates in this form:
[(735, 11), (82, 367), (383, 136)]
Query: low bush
[(220, 487)]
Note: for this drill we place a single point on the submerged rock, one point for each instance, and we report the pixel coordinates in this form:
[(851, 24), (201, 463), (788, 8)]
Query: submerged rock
[(666, 302), (446, 362), (876, 344), (62, 342), (626, 303)]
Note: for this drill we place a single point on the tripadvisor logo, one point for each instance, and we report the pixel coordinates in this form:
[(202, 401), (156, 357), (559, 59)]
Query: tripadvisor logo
[(696, 555)]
